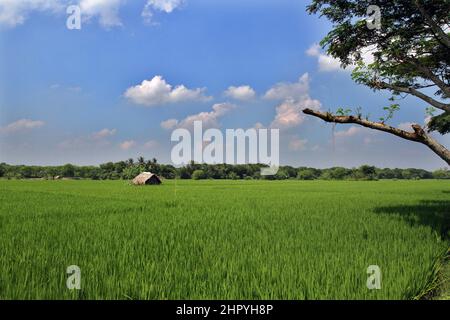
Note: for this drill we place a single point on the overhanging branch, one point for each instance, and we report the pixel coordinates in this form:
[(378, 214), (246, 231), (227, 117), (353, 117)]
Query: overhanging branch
[(414, 92), (419, 134)]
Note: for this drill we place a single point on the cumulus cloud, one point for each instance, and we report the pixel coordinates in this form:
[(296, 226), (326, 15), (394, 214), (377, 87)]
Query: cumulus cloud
[(350, 132), (295, 98), (107, 11), (21, 126), (288, 115), (15, 12), (314, 50), (166, 6), (158, 92), (169, 124), (327, 63), (209, 119), (104, 133), (286, 90), (243, 93), (126, 145)]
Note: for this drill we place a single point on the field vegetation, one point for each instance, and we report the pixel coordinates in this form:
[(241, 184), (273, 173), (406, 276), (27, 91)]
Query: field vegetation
[(222, 239)]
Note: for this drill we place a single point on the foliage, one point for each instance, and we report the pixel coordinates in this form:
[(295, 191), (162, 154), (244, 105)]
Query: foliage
[(410, 49), (440, 123), (127, 170), (199, 175)]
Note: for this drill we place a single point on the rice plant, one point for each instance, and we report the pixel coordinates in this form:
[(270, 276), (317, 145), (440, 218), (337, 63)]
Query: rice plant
[(221, 239)]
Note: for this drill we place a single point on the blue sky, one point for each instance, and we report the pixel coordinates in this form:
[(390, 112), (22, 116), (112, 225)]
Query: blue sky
[(118, 87)]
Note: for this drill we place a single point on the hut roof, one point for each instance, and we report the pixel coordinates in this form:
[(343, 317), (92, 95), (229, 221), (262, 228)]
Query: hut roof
[(145, 177)]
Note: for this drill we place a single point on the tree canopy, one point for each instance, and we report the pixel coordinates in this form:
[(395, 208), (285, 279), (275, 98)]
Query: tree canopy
[(410, 55)]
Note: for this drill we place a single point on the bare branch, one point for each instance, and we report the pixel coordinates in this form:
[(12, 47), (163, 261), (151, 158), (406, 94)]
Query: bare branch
[(414, 92), (428, 74), (419, 134)]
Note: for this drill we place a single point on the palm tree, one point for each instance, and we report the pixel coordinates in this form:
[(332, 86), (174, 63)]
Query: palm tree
[(141, 161)]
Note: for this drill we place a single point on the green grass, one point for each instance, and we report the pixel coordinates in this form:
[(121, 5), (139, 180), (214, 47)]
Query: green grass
[(221, 239)]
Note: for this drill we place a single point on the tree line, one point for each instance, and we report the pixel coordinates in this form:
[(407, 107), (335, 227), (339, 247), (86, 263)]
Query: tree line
[(130, 168)]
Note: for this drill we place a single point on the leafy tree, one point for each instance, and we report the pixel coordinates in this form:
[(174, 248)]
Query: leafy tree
[(366, 172), (2, 169), (233, 176), (282, 174), (441, 174), (131, 172), (338, 173), (141, 161), (122, 170), (168, 171), (306, 174), (26, 172), (411, 52), (184, 173), (198, 175), (68, 170)]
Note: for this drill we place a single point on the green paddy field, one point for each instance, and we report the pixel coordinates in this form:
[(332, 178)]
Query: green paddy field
[(222, 239)]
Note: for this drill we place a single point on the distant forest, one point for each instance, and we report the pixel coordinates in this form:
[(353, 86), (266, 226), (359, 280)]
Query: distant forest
[(130, 168)]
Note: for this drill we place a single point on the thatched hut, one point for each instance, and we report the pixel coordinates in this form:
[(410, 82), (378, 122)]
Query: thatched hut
[(146, 178)]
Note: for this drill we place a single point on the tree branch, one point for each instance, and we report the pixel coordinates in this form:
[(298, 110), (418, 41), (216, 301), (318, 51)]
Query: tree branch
[(440, 34), (431, 76), (419, 134), (414, 92)]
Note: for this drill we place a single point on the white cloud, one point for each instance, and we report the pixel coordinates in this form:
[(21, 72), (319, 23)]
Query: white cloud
[(22, 125), (126, 145), (327, 63), (297, 144), (169, 124), (104, 133), (286, 90), (15, 12), (107, 11), (350, 132), (295, 98), (166, 6), (243, 93), (288, 114), (209, 119), (158, 92), (314, 50)]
